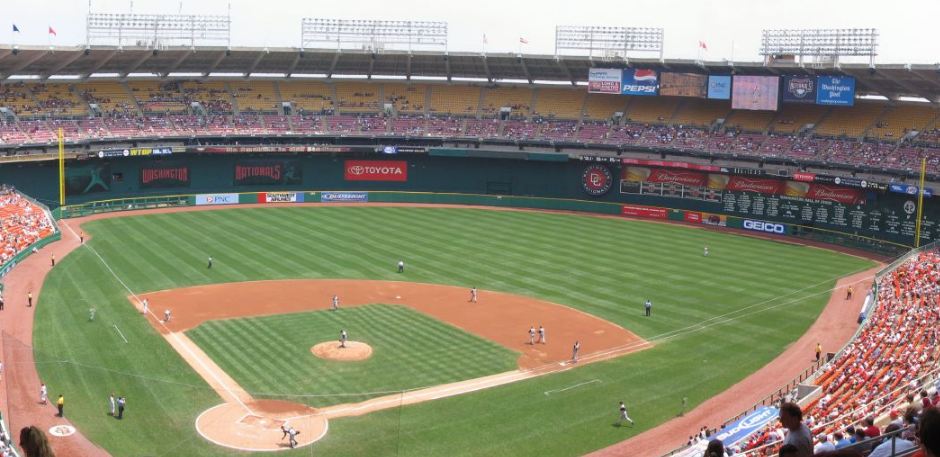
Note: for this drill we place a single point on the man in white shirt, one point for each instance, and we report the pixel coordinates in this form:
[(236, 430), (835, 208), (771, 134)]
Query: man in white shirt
[(823, 445), (798, 434), (900, 445)]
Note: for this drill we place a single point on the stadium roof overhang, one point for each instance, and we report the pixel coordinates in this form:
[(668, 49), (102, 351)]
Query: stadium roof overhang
[(890, 81)]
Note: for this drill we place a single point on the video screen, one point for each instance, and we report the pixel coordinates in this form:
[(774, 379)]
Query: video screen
[(755, 92)]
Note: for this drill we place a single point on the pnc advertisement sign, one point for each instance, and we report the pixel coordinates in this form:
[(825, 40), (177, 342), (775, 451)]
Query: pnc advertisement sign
[(376, 170)]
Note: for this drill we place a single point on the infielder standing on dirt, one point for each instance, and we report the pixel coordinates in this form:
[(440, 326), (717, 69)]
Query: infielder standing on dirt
[(541, 334), (531, 335), (166, 316), (145, 305), (473, 295), (293, 437), (43, 394), (575, 350), (334, 305), (342, 338)]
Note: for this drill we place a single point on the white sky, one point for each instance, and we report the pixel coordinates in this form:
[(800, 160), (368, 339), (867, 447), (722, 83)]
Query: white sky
[(910, 29)]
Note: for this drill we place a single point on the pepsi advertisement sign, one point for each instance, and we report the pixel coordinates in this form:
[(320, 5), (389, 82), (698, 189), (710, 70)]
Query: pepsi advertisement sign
[(640, 81), (835, 90), (719, 87), (799, 89)]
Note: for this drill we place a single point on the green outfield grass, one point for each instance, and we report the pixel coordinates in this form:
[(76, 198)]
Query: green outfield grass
[(270, 356), (765, 293)]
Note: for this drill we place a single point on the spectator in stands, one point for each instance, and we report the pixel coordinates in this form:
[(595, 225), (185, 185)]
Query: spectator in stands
[(928, 433), (897, 444), (840, 440), (871, 430), (798, 434), (789, 450), (715, 449), (823, 444)]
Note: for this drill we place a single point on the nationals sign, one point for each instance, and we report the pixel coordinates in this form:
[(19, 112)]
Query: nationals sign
[(376, 170), (596, 180)]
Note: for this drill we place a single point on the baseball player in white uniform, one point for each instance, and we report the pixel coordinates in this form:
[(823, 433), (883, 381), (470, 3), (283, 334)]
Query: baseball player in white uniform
[(293, 437), (531, 335), (473, 295), (401, 266), (145, 307), (624, 416), (706, 251), (335, 303), (342, 338), (542, 334), (166, 316), (575, 350), (43, 394)]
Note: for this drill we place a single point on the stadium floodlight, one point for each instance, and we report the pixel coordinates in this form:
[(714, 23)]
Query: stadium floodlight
[(157, 30), (607, 41), (373, 35), (820, 43)]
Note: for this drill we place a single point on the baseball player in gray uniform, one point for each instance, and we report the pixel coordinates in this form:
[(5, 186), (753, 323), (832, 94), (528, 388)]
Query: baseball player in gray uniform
[(342, 338), (575, 350)]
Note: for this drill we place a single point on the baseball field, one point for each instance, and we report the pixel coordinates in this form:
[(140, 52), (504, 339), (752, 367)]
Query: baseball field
[(715, 320)]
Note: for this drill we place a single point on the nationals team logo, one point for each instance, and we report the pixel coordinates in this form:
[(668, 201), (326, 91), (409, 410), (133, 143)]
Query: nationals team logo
[(596, 180), (801, 87)]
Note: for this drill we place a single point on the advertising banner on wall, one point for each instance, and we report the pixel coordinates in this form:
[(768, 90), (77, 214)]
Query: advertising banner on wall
[(799, 89), (604, 80), (650, 212), (719, 87), (280, 197), (356, 197), (683, 85), (164, 175), (755, 92), (835, 90), (217, 199), (640, 81), (376, 170), (267, 172), (663, 175)]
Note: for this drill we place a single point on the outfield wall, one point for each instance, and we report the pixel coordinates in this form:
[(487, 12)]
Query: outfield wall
[(504, 179)]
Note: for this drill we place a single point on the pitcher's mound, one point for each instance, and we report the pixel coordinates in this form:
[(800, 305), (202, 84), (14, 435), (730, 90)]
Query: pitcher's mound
[(257, 425), (353, 351)]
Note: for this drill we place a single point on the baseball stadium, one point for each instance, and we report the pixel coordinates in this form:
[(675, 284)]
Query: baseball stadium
[(369, 244)]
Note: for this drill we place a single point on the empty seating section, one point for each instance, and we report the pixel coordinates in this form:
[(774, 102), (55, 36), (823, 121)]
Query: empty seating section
[(159, 96), (601, 107), (357, 97), (849, 122), (519, 99), (701, 113), (406, 98), (551, 103), (58, 100), (901, 119), (308, 96), (214, 96), (793, 116), (651, 110), (112, 98), (456, 100), (255, 96), (22, 223), (18, 97), (749, 121)]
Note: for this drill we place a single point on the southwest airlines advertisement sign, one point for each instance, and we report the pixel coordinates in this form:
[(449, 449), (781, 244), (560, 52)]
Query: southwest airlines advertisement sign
[(640, 81), (604, 80), (835, 90)]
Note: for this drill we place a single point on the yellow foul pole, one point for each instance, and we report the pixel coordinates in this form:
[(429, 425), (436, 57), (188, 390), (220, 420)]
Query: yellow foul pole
[(920, 202), (61, 169)]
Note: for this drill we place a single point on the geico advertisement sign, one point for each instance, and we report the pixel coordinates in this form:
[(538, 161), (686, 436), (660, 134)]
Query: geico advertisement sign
[(376, 170), (767, 227)]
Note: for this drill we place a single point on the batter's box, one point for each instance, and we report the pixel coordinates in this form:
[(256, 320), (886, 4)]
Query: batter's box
[(261, 422)]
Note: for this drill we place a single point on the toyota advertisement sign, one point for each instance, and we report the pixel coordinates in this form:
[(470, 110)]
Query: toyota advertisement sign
[(376, 170)]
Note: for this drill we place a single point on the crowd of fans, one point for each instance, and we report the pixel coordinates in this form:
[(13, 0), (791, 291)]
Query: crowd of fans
[(879, 384), (22, 223), (6, 443)]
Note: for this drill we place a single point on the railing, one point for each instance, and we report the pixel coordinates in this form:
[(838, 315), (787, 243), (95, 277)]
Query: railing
[(56, 235), (8, 442)]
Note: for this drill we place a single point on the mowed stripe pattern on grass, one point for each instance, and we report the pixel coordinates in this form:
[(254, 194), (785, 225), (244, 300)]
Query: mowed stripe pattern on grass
[(270, 356), (606, 267)]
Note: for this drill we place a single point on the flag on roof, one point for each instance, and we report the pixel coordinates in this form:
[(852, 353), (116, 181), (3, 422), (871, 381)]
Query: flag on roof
[(523, 40), (701, 44), (52, 31), (15, 28)]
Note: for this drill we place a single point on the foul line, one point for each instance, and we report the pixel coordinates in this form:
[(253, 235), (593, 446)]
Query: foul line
[(173, 334), (120, 333), (572, 387)]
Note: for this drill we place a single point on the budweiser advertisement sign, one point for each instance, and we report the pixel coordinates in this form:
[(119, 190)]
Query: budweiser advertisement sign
[(842, 195), (662, 175), (376, 170), (758, 185)]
